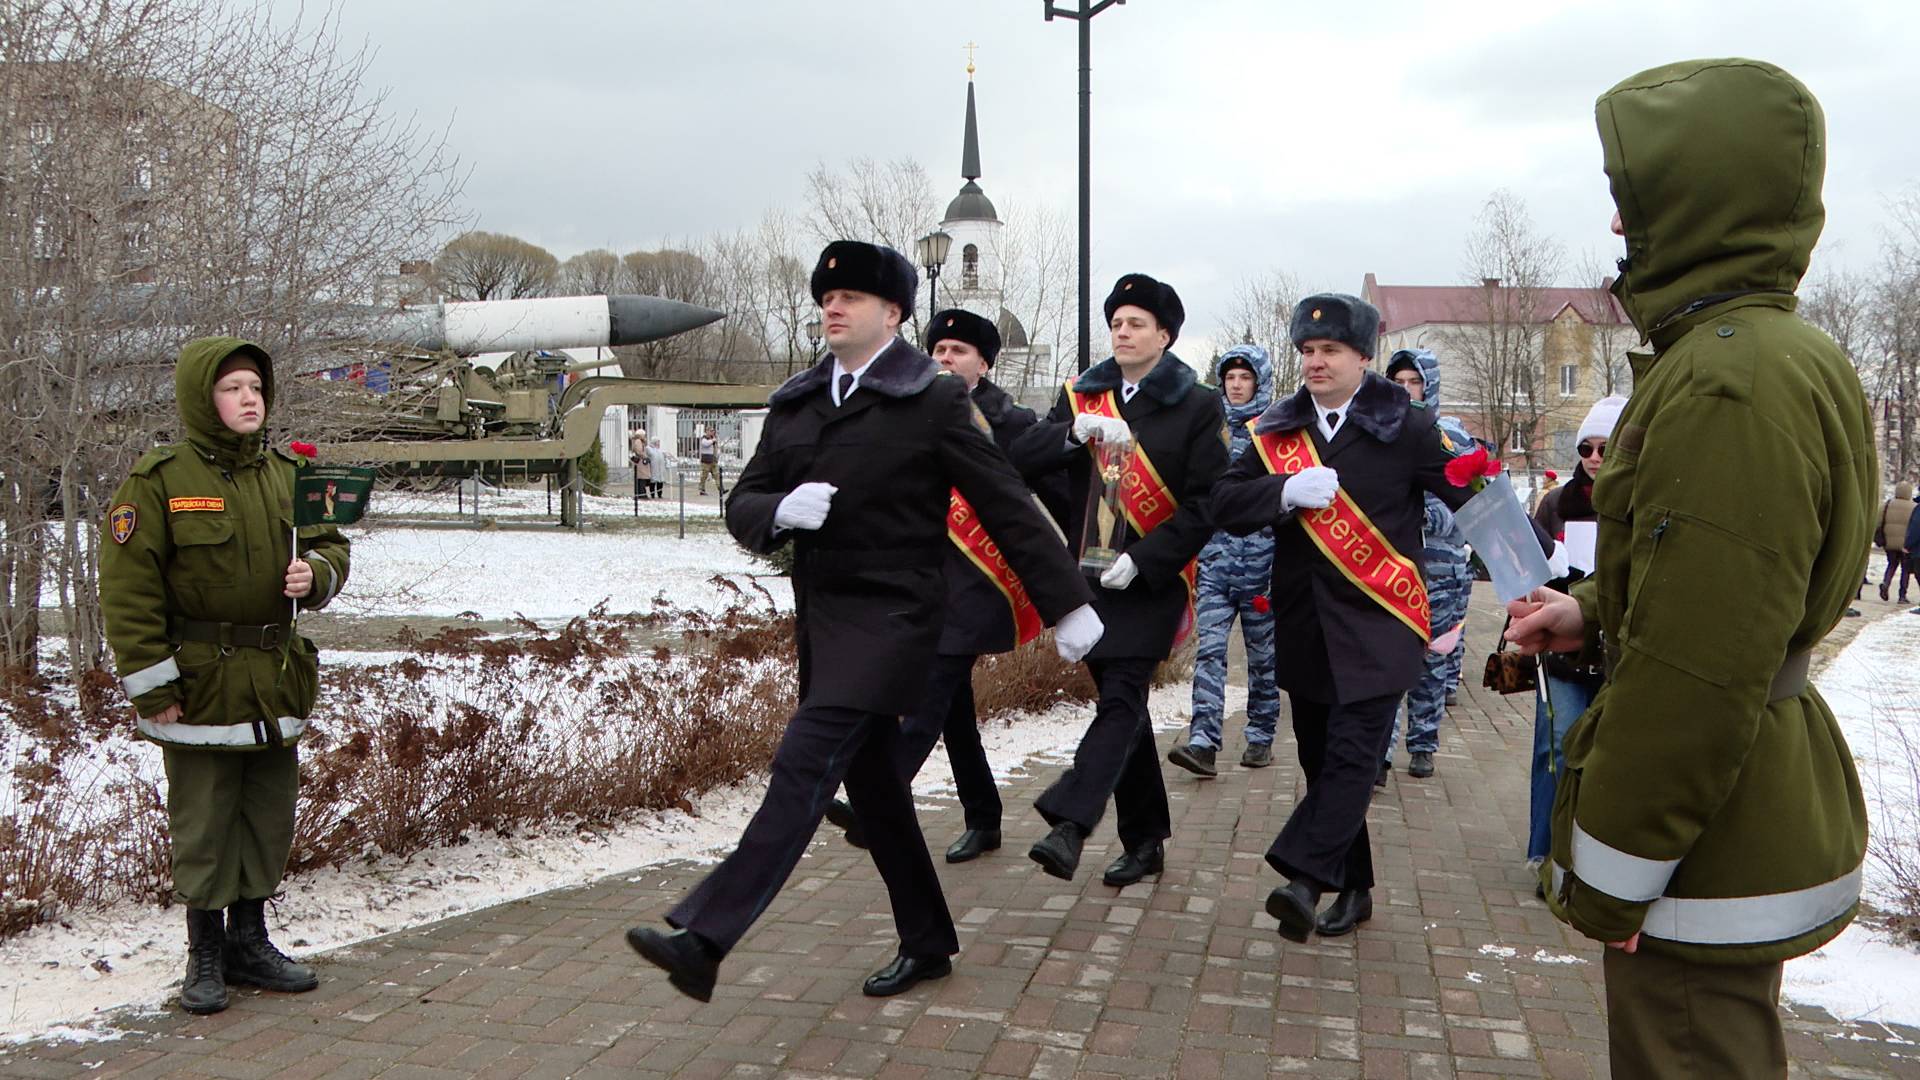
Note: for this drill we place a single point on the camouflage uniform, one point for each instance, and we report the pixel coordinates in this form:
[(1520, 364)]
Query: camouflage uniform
[(1449, 580), (1235, 572)]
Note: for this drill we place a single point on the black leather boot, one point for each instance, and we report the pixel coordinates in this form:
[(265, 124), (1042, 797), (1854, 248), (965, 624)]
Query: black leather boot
[(251, 958), (840, 812), (1131, 866), (1348, 910), (204, 990), (972, 844), (1295, 904), (1058, 853)]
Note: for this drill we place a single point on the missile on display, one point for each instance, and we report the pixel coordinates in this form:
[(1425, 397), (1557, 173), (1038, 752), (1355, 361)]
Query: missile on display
[(556, 322)]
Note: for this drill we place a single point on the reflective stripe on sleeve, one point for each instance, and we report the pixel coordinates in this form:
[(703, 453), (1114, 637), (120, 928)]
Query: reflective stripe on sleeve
[(333, 576), (1617, 873), (180, 734), (1745, 920), (150, 678)]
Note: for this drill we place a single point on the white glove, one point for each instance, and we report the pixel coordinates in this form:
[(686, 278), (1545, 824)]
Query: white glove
[(1106, 429), (1557, 562), (1120, 574), (1078, 633), (805, 507), (1310, 488)]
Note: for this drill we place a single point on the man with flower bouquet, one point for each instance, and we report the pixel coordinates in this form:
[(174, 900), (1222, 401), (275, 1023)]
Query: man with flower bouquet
[(1338, 471), (202, 570)]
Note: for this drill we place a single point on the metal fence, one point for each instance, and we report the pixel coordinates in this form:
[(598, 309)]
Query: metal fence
[(693, 426)]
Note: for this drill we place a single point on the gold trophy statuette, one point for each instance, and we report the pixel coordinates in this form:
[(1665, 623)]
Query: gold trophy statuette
[(1105, 531)]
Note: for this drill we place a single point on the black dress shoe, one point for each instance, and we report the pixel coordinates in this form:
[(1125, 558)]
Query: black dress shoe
[(903, 973), (1058, 852), (1380, 778), (689, 966), (1294, 904), (1195, 759), (1348, 910), (1420, 764), (1150, 858), (974, 843), (840, 812)]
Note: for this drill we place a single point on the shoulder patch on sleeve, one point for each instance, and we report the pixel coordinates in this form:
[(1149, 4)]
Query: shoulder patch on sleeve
[(979, 419), (152, 459), (121, 521)]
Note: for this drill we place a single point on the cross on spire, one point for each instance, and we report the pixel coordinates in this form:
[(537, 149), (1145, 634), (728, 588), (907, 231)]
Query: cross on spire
[(970, 46)]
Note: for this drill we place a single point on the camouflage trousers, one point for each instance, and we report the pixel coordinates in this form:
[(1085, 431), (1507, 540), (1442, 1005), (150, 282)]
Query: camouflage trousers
[(1449, 587), (1218, 601)]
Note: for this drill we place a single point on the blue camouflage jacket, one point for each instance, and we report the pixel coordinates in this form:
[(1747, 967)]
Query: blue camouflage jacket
[(1242, 559)]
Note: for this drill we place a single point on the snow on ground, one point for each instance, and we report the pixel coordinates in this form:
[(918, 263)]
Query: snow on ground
[(543, 572), (1874, 689), (62, 979)]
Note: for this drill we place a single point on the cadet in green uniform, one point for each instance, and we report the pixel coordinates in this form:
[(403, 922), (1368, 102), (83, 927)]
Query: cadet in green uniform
[(198, 586), (1709, 824)]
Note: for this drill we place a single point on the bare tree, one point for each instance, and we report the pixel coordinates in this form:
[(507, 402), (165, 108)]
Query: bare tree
[(890, 203), (592, 273), (1608, 337), (170, 169), (491, 266), (1894, 381), (1261, 313), (1036, 250), (1501, 352)]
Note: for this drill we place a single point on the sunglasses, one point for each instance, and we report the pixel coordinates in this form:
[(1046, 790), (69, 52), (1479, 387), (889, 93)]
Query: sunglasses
[(1587, 449)]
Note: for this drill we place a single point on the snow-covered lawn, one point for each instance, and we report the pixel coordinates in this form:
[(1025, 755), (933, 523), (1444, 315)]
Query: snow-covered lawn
[(545, 573), (1874, 690)]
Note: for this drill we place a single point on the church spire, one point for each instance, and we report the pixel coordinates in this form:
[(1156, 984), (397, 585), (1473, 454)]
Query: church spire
[(970, 152)]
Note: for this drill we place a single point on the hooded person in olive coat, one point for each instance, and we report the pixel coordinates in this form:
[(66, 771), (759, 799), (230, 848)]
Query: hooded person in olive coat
[(197, 587), (1710, 823)]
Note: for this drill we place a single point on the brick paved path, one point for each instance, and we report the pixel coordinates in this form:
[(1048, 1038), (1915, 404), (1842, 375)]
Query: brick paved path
[(1461, 972)]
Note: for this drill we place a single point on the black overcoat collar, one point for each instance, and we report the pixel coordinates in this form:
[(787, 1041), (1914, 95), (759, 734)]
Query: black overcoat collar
[(992, 401), (1379, 408), (898, 370), (1167, 383)]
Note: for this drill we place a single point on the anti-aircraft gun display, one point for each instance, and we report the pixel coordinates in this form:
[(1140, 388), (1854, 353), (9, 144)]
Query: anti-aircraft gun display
[(429, 412)]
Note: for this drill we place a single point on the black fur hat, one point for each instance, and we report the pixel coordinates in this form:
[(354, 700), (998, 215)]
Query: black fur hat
[(1336, 317), (1157, 298), (963, 325), (867, 268)]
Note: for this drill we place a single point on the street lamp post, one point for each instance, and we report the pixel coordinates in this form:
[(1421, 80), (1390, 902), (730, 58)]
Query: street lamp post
[(813, 339), (932, 251), (1084, 16)]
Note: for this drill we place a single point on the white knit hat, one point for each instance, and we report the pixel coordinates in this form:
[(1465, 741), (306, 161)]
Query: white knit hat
[(1601, 418)]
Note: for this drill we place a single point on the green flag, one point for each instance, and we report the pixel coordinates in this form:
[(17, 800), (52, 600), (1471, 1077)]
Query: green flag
[(330, 494)]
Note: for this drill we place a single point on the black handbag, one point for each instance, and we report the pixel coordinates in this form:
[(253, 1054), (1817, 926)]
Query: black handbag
[(1509, 672)]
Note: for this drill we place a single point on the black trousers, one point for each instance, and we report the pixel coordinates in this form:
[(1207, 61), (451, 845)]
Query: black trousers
[(1340, 748), (822, 747), (946, 711), (1116, 758)]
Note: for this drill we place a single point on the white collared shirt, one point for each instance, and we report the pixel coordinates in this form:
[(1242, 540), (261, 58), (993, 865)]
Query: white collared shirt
[(1327, 428), (833, 381), (1127, 390)]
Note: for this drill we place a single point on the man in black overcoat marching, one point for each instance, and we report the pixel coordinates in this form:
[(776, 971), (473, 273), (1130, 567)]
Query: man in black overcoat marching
[(1147, 401), (987, 608), (1338, 469), (855, 466)]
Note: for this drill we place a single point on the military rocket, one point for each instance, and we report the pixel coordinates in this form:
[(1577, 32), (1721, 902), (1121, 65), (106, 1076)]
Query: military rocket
[(554, 322)]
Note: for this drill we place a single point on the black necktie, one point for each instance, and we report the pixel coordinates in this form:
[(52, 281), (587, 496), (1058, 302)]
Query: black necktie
[(1333, 422), (1126, 393), (846, 385)]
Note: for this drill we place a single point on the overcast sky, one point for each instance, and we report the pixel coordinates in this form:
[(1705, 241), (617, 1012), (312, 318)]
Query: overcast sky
[(1229, 136)]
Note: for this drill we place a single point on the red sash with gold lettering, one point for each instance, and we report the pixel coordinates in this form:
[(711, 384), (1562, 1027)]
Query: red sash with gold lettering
[(1344, 533), (1143, 495), (967, 534)]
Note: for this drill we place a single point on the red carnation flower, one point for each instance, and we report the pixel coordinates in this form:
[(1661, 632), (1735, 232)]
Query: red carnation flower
[(1261, 605), (1468, 467), (304, 449)]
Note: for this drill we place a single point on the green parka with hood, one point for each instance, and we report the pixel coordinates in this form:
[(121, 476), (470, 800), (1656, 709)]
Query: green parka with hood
[(1710, 802), (200, 532)]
